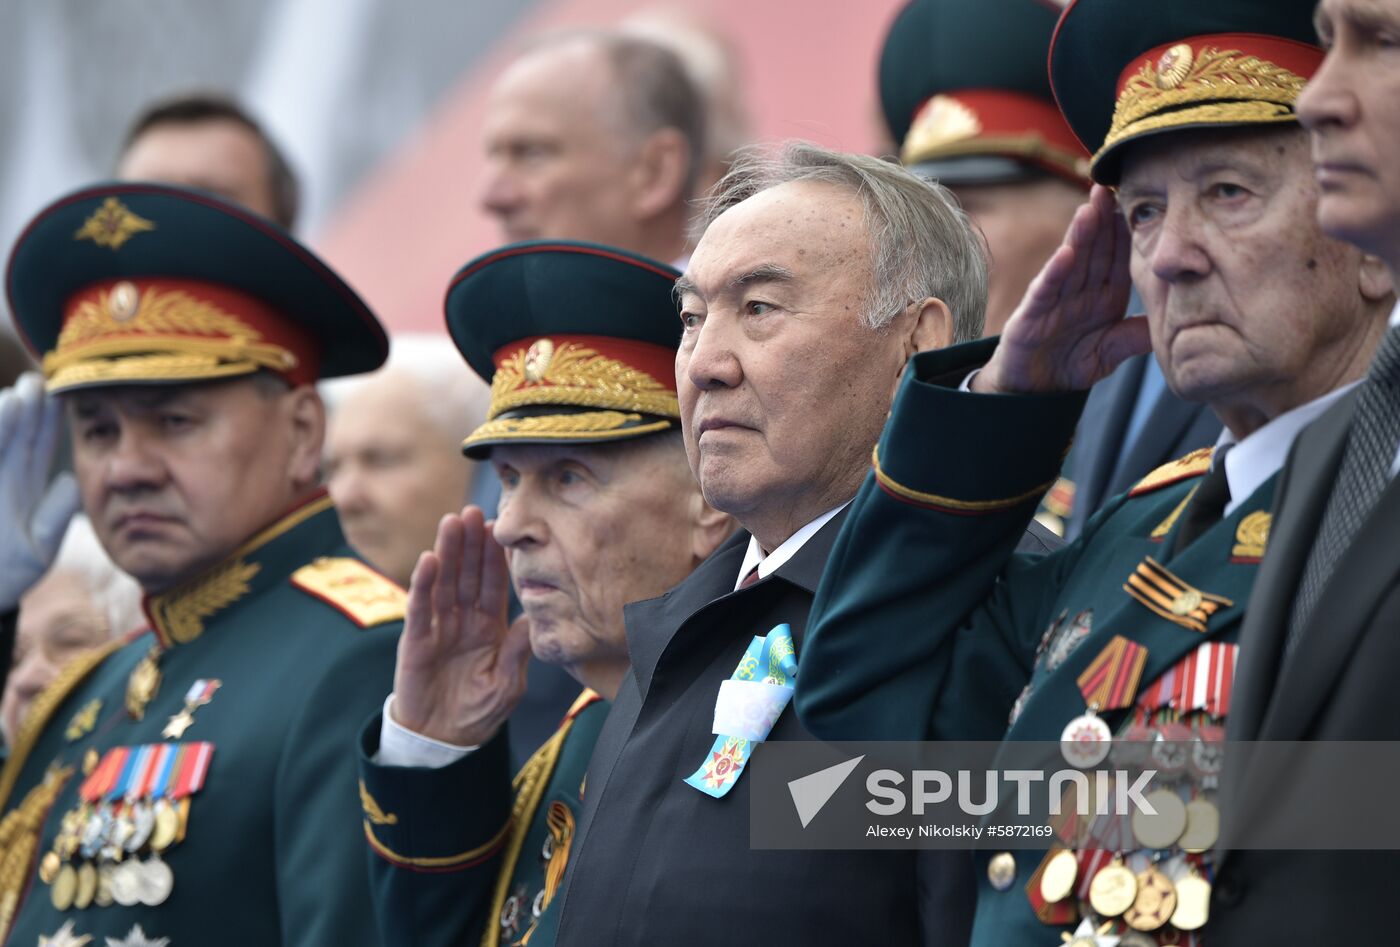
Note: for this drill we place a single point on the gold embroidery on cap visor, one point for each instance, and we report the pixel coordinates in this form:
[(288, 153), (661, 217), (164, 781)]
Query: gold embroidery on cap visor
[(170, 336), (569, 375), (577, 376), (578, 426), (1208, 86)]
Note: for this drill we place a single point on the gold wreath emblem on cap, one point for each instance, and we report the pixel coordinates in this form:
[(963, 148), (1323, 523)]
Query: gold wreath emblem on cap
[(537, 360), (1174, 66)]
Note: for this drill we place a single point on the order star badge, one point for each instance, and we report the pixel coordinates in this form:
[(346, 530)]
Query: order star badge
[(65, 937), (1090, 936), (136, 937)]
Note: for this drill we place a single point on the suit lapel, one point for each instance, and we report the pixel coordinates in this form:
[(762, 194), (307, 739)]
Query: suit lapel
[(1309, 675), (657, 625), (1303, 490), (651, 624), (1107, 413)]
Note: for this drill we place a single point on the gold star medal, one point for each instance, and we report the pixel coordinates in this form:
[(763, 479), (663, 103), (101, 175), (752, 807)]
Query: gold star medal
[(199, 694)]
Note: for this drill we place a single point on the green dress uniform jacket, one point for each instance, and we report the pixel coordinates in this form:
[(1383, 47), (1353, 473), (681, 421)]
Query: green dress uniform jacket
[(463, 854), (928, 627), (275, 655)]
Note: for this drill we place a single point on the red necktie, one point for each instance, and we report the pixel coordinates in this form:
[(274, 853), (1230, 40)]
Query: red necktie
[(750, 579)]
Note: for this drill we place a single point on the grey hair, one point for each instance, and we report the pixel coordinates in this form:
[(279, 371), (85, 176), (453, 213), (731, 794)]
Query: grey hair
[(921, 242), (652, 89), (115, 595), (454, 398)]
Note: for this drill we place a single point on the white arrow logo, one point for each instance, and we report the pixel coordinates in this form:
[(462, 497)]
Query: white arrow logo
[(813, 791)]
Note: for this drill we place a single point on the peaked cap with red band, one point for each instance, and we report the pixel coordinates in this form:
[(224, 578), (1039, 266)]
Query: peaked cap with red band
[(964, 92), (1123, 71), (125, 284), (578, 341)]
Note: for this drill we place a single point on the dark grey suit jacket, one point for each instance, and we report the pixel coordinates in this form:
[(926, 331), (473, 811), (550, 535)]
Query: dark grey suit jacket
[(1340, 683), (657, 862)]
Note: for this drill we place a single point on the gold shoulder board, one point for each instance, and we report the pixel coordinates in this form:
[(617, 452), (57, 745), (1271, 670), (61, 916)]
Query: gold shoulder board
[(363, 595), (1193, 464)]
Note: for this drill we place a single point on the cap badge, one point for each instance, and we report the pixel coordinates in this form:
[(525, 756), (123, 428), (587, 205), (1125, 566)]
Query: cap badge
[(537, 360), (941, 121), (112, 225), (123, 301), (1174, 66)]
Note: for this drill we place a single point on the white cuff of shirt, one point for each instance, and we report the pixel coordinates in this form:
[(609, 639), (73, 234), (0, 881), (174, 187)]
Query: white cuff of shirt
[(400, 746), (967, 382)]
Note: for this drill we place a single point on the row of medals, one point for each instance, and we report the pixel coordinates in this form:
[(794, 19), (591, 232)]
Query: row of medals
[(110, 840), (1156, 886)]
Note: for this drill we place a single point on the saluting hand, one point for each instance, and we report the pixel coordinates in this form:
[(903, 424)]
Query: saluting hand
[(34, 513), (1069, 331), (461, 664)]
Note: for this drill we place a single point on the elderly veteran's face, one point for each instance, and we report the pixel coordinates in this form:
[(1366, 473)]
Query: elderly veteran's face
[(589, 528), (1251, 306), (58, 621), (176, 477), (783, 389), (1352, 107)]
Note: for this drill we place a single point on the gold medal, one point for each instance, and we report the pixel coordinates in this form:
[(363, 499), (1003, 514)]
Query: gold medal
[(87, 886), (1202, 826), (49, 866), (65, 885), (1113, 889), (1155, 901), (1057, 880), (1001, 870), (167, 824), (1192, 903), (143, 683), (1163, 829)]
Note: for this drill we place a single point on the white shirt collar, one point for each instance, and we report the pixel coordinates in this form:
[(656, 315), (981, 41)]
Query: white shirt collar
[(1395, 315), (767, 564), (1256, 458)]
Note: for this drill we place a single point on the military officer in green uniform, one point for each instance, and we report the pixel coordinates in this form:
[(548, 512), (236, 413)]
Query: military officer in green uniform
[(963, 90), (926, 626), (598, 508), (190, 784)]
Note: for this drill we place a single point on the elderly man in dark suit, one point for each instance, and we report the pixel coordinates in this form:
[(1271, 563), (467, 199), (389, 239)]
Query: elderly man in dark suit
[(1319, 643)]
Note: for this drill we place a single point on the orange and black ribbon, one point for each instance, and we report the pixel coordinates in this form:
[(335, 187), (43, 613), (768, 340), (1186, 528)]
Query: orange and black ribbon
[(1154, 586)]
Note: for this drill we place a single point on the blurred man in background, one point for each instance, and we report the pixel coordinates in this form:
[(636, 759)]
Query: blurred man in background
[(393, 461), (210, 142), (595, 136)]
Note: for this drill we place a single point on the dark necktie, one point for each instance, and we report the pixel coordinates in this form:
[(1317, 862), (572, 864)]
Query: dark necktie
[(1206, 505), (1361, 477), (750, 578)]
